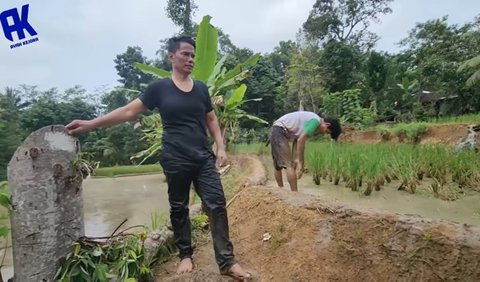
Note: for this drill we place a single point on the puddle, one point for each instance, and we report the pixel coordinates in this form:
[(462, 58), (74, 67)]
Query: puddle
[(108, 201)]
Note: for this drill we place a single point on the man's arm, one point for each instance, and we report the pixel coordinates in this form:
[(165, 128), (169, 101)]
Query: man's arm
[(119, 115), (301, 149), (126, 113), (214, 129)]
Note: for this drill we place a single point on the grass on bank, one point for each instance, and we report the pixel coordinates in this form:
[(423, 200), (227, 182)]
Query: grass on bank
[(412, 132), (471, 118), (405, 132), (127, 170), (251, 148)]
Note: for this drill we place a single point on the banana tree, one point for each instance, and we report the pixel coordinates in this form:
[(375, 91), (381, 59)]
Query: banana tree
[(152, 133), (224, 85), (230, 113)]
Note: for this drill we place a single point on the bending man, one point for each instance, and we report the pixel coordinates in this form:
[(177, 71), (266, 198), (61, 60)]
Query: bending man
[(297, 127)]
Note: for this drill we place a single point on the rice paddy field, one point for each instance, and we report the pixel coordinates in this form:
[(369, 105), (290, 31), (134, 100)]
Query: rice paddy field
[(366, 168)]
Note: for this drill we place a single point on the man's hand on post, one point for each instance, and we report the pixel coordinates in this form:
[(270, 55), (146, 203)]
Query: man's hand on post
[(79, 126)]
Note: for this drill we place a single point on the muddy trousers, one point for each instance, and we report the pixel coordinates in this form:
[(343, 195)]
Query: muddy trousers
[(208, 186)]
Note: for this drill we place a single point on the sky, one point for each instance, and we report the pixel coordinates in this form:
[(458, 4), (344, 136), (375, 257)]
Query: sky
[(78, 40)]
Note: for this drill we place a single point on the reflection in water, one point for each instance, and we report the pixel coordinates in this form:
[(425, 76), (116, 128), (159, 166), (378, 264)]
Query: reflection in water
[(108, 201)]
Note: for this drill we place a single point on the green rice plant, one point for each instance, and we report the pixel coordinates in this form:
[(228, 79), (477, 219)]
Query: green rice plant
[(370, 174), (315, 162), (354, 165), (331, 165), (439, 162), (337, 161), (382, 170), (421, 162), (404, 167), (374, 165), (465, 169)]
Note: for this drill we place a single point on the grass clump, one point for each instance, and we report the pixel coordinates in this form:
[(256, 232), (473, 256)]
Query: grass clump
[(127, 170)]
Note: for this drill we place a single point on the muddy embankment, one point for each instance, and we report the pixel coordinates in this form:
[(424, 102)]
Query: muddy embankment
[(442, 134), (285, 236), (296, 237)]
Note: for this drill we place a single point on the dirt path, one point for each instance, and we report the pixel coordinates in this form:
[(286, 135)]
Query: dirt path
[(248, 171)]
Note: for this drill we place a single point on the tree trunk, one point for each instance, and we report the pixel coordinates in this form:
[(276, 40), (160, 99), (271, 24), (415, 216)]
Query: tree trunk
[(47, 207)]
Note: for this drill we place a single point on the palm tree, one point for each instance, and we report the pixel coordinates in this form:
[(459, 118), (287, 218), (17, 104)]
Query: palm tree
[(473, 63)]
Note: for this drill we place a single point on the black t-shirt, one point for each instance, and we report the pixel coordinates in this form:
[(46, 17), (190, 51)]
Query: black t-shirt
[(184, 138)]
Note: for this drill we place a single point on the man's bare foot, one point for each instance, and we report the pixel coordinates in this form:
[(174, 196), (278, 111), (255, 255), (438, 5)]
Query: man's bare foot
[(186, 266), (237, 272)]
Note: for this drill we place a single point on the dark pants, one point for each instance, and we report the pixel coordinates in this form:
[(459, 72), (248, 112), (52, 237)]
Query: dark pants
[(208, 186)]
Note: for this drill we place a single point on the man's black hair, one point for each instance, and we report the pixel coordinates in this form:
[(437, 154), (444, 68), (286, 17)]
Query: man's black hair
[(174, 43), (335, 128)]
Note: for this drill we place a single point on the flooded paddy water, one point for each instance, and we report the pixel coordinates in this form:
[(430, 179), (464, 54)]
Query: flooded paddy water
[(109, 201), (465, 210)]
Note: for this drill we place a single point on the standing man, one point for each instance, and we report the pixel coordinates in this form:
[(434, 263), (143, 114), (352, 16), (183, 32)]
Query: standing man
[(186, 157), (296, 127)]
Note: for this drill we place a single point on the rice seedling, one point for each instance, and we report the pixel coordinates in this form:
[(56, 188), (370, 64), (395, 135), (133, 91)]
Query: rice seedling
[(315, 163), (404, 167), (368, 167)]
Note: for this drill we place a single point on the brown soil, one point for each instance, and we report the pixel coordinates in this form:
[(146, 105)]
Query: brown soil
[(312, 240), (247, 171), (316, 241), (351, 135), (446, 134)]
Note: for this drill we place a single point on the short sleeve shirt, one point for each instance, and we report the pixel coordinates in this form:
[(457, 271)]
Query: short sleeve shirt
[(299, 122), (184, 138)]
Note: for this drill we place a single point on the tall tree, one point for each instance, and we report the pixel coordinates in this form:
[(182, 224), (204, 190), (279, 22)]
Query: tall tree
[(51, 107), (305, 81), (376, 70), (343, 65), (131, 77), (11, 132), (345, 20), (437, 49), (181, 13), (282, 55), (263, 83)]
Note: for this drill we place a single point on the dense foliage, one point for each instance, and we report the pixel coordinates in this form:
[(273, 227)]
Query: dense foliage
[(332, 68)]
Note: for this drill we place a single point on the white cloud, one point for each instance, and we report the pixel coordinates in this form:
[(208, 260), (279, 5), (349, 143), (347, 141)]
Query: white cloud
[(78, 40)]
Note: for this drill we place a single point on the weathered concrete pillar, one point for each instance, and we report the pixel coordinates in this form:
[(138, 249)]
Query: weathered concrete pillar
[(47, 203)]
